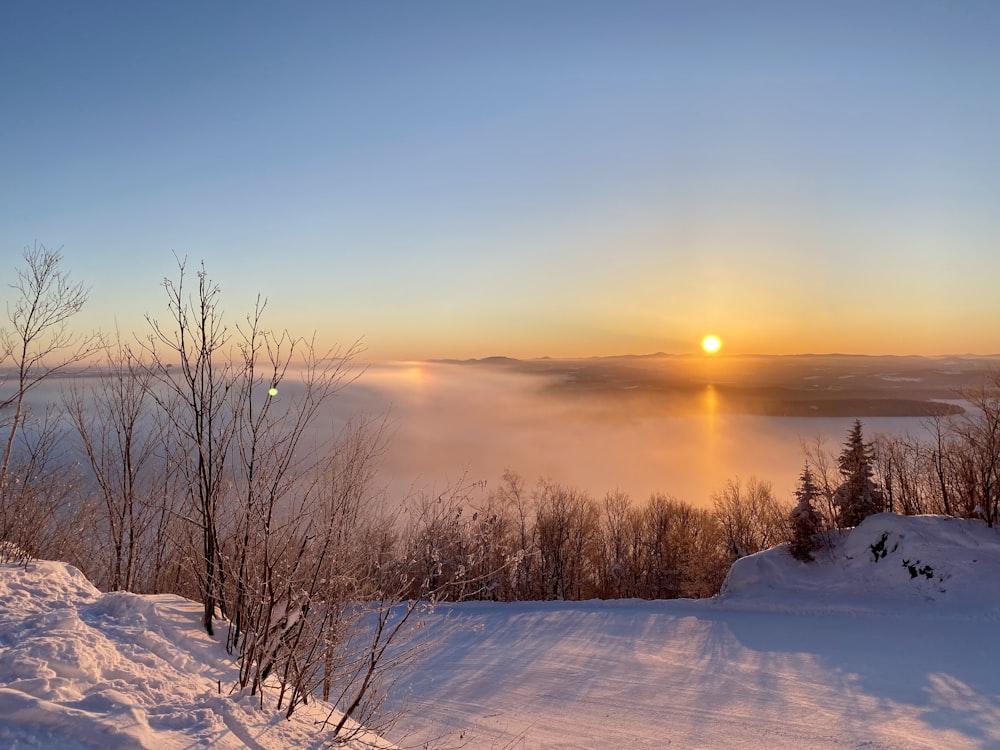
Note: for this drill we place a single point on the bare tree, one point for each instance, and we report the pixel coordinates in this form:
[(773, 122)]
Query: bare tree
[(275, 470), (613, 545), (195, 400), (902, 467), (374, 653), (635, 561), (522, 564), (443, 555), (823, 466), (120, 433), (979, 433), (494, 548), (684, 553), (337, 614), (567, 521), (940, 455), (706, 560), (751, 517), (39, 343), (42, 504), (664, 548)]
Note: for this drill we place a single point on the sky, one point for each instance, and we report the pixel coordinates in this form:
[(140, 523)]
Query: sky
[(454, 179)]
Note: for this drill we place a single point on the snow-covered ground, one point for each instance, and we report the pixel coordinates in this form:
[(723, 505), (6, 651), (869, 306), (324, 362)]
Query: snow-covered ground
[(857, 650), (848, 652), (82, 670)]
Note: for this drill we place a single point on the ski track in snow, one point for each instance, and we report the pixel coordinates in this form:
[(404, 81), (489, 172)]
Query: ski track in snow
[(653, 675)]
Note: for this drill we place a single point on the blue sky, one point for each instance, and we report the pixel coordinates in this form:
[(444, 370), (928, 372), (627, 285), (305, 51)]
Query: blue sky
[(452, 179)]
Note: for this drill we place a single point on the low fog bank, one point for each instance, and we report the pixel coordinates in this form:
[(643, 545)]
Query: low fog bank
[(676, 425)]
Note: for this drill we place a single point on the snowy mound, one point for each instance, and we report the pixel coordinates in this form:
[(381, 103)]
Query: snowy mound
[(82, 670), (887, 562)]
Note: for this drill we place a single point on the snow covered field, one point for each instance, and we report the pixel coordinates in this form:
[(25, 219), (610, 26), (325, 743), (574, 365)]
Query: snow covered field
[(856, 651)]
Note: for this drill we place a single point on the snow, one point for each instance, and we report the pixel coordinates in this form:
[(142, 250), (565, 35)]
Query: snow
[(852, 651), (846, 652), (82, 670), (961, 557)]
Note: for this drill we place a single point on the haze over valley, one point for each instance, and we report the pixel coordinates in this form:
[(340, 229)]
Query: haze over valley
[(679, 425)]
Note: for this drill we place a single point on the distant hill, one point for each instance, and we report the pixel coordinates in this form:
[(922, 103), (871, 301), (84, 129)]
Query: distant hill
[(808, 385)]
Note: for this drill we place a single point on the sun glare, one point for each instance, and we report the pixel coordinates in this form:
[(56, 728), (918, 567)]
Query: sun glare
[(711, 344)]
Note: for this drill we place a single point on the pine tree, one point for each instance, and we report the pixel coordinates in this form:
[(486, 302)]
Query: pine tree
[(858, 496), (806, 520)]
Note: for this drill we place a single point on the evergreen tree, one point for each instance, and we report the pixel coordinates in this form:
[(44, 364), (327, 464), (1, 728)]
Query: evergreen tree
[(806, 520), (858, 496)]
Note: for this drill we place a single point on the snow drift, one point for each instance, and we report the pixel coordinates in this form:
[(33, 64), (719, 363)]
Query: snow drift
[(921, 564), (82, 670)]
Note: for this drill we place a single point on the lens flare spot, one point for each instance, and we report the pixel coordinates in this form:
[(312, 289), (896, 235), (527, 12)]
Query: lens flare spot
[(272, 391)]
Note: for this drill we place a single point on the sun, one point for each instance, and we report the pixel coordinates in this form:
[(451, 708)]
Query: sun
[(711, 344)]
